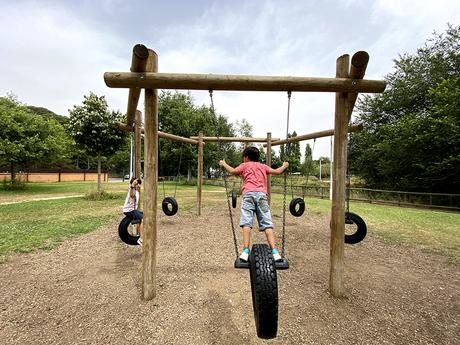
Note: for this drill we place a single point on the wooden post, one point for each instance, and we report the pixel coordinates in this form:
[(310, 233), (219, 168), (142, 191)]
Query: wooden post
[(357, 70), (200, 171), (336, 285), (149, 259), (269, 163), (137, 144), (138, 63)]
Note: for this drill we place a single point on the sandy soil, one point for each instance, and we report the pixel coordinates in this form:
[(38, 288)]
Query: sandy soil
[(87, 291)]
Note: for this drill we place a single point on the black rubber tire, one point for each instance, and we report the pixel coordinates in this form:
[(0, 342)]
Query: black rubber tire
[(165, 206), (293, 207), (361, 228), (234, 197), (124, 234), (264, 287)]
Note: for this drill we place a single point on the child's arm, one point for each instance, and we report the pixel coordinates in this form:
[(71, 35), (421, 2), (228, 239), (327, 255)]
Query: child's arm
[(227, 167), (279, 170)]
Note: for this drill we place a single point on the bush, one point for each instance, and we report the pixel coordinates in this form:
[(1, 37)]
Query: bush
[(16, 184), (102, 195)]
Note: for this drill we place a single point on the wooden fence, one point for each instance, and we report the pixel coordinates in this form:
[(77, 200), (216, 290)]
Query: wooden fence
[(56, 176)]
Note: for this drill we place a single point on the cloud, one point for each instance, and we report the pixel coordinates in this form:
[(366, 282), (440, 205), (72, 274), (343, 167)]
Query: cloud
[(54, 52), (51, 58)]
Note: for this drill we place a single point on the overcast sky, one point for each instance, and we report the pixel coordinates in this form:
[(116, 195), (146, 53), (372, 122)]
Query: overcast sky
[(54, 52)]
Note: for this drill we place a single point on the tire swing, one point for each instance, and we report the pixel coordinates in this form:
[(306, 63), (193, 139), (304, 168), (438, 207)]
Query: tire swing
[(262, 271), (127, 231), (234, 198), (360, 231), (169, 204), (297, 207), (357, 224)]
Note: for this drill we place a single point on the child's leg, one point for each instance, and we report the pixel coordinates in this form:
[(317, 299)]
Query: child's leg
[(270, 237), (246, 236), (140, 228)]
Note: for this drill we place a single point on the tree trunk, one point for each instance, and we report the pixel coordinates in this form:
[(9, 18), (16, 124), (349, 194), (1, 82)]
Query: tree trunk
[(99, 172)]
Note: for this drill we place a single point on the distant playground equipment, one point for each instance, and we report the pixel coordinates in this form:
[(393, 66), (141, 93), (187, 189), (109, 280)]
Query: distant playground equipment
[(346, 85)]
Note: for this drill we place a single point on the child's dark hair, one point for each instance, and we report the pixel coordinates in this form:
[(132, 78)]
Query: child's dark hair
[(135, 179), (252, 153)]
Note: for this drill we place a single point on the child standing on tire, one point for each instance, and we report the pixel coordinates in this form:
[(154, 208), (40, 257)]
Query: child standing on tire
[(130, 208), (255, 198)]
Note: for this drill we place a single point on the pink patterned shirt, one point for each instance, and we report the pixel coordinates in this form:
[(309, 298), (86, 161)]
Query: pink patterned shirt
[(254, 176)]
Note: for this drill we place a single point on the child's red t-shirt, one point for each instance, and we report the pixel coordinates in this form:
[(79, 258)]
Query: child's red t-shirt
[(254, 176)]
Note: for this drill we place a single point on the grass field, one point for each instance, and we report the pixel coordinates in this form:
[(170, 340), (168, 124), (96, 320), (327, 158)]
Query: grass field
[(42, 224)]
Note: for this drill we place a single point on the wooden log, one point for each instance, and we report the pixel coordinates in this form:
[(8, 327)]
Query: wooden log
[(239, 82), (127, 128), (138, 63), (177, 138), (357, 70), (137, 144), (315, 135), (336, 272), (235, 139), (149, 258), (200, 172), (268, 156)]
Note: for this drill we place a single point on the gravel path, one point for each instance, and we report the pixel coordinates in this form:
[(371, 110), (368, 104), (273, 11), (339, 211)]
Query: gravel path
[(87, 291)]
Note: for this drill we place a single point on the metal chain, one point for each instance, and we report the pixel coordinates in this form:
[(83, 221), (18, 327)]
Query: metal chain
[(225, 176), (347, 194), (178, 171), (283, 236)]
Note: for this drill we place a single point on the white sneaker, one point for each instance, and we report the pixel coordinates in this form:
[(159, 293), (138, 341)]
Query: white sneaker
[(139, 241), (244, 255), (276, 255)]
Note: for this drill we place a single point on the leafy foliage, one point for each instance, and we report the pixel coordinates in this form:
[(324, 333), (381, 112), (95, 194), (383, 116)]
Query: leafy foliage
[(178, 115), (411, 136), (92, 126), (291, 152), (27, 139)]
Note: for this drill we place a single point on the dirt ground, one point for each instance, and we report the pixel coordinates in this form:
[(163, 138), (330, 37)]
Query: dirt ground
[(87, 290)]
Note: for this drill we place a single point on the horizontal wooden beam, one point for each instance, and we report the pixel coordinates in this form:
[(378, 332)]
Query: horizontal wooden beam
[(239, 82), (236, 139), (126, 128), (326, 133)]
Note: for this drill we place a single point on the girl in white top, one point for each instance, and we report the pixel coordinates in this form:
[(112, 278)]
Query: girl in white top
[(130, 208)]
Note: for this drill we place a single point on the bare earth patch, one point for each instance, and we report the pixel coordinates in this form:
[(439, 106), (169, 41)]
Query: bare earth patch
[(87, 291)]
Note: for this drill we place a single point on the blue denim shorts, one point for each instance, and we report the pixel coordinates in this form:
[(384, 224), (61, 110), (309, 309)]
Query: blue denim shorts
[(135, 215), (255, 202)]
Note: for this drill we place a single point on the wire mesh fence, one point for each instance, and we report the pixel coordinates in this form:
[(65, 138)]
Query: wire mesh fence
[(376, 196)]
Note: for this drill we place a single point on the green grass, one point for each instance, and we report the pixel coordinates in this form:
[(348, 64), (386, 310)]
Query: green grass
[(42, 224), (431, 230)]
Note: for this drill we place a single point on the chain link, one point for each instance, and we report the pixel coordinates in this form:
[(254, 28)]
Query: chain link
[(225, 176), (283, 236)]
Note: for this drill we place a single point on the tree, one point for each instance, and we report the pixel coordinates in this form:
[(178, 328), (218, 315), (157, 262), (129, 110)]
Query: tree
[(92, 127), (411, 136), (291, 153), (308, 164), (244, 129), (179, 115), (26, 138)]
